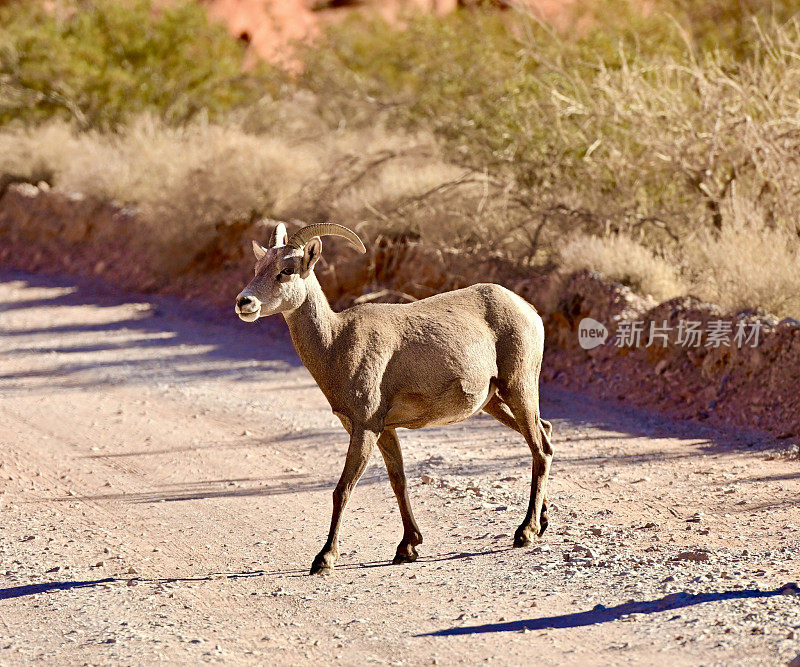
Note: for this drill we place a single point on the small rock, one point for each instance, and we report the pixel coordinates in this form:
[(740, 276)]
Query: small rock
[(585, 552), (695, 555), (132, 570), (427, 479)]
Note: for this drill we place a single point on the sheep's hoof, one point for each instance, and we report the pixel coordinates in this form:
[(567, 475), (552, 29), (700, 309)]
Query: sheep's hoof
[(323, 564), (321, 568), (521, 541), (522, 538), (407, 554)]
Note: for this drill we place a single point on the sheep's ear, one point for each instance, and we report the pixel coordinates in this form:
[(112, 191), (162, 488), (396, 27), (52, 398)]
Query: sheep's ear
[(258, 251), (312, 251)]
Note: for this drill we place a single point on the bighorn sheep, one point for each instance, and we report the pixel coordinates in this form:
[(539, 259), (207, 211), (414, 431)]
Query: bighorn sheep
[(432, 362)]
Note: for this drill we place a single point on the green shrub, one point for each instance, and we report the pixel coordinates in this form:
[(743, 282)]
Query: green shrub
[(636, 125), (99, 62)]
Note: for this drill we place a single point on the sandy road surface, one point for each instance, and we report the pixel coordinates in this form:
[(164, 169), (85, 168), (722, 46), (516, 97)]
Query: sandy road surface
[(165, 482)]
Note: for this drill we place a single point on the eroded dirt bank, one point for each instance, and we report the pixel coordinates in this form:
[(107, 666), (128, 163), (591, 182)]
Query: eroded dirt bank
[(747, 387), (166, 483)]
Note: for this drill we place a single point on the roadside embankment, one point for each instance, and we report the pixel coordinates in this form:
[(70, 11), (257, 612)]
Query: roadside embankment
[(683, 357)]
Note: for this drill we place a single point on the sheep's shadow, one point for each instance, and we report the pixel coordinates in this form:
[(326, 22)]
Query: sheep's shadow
[(26, 590), (602, 614), (340, 567)]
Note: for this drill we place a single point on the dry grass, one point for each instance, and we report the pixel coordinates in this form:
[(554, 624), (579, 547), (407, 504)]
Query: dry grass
[(621, 259), (188, 180), (185, 180), (280, 160), (744, 266), (747, 266)]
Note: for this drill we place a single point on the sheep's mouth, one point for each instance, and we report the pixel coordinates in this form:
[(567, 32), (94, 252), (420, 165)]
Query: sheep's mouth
[(249, 316)]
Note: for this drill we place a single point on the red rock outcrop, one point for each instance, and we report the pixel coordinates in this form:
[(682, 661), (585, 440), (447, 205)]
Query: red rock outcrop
[(272, 26)]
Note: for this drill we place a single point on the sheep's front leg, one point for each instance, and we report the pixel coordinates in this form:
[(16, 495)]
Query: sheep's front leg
[(361, 445)]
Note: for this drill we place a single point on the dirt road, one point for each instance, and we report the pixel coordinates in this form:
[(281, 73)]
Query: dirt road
[(165, 482)]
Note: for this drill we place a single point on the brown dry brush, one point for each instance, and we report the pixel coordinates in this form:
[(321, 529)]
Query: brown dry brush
[(674, 174)]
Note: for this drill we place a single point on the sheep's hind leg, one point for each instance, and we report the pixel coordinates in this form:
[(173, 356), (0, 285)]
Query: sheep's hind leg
[(524, 405), (501, 412), (389, 445), (361, 444), (547, 431)]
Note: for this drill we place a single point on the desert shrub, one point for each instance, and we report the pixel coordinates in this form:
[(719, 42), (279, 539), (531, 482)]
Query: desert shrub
[(100, 62), (188, 180), (670, 26), (637, 137), (747, 266), (623, 260), (184, 180), (628, 132)]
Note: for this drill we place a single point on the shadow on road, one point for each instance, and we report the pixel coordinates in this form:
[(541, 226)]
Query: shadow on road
[(49, 586), (169, 325), (601, 614), (52, 586), (195, 343)]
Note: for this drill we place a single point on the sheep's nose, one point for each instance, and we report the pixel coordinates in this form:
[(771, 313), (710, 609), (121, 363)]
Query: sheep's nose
[(243, 301)]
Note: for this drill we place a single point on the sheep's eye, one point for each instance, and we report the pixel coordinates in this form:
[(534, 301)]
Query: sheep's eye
[(285, 273)]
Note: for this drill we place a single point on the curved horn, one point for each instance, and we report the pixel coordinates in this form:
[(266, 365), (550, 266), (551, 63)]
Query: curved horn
[(278, 236), (305, 234)]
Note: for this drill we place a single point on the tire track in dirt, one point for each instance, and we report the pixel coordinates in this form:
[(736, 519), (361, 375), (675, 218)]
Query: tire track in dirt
[(99, 511)]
